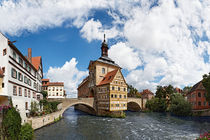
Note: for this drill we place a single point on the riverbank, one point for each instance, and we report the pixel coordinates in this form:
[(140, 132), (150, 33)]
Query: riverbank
[(137, 125)]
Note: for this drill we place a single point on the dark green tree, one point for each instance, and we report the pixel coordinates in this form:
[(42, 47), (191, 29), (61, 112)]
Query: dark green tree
[(26, 132), (179, 106), (206, 84), (157, 104), (11, 124), (44, 93), (132, 92)]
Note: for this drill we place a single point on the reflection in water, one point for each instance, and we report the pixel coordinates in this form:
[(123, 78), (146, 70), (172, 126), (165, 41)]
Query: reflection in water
[(137, 125)]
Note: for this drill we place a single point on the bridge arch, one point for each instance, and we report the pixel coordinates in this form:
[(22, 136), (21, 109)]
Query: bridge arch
[(85, 104), (134, 104)]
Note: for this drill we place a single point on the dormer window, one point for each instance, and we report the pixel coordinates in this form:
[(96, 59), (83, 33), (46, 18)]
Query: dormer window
[(103, 70)]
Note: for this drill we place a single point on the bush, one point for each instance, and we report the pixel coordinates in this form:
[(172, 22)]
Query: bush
[(179, 106), (157, 105), (34, 108), (49, 107), (11, 124), (26, 132)]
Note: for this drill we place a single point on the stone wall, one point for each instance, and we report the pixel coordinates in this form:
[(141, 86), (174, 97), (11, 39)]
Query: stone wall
[(38, 122)]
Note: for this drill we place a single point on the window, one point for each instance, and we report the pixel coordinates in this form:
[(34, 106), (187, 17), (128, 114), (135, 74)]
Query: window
[(14, 55), (112, 88), (112, 95), (34, 95), (204, 103), (26, 65), (25, 92), (4, 52), (14, 73), (111, 105), (115, 96), (199, 94), (125, 96), (25, 80), (26, 105), (53, 89), (56, 94), (60, 89), (118, 88), (20, 76), (20, 91), (199, 103), (2, 85), (38, 97), (15, 90), (29, 69), (117, 105), (29, 94), (103, 70), (120, 96), (34, 84), (29, 82), (21, 61), (124, 89)]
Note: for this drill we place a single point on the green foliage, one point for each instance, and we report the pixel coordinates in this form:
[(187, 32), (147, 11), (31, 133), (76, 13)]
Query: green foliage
[(162, 92), (157, 104), (34, 108), (26, 132), (206, 84), (11, 124), (49, 107), (44, 93), (132, 92), (179, 106), (187, 89)]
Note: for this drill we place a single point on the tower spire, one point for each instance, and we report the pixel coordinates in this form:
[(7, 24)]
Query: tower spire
[(104, 47)]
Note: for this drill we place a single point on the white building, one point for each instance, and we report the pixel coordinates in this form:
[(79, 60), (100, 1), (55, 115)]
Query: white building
[(22, 77), (54, 89)]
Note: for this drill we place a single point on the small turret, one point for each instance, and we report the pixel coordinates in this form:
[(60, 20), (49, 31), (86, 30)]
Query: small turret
[(104, 48)]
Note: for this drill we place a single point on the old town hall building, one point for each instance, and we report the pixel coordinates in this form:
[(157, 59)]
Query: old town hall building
[(106, 84)]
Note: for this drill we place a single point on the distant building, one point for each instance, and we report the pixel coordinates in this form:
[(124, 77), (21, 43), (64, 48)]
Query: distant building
[(106, 84), (147, 94), (22, 77), (54, 89), (196, 97), (178, 90)]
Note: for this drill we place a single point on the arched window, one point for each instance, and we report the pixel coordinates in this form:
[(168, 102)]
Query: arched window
[(199, 94), (103, 70)]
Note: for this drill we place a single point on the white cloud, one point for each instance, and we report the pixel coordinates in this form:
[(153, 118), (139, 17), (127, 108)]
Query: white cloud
[(94, 30), (69, 74), (125, 56)]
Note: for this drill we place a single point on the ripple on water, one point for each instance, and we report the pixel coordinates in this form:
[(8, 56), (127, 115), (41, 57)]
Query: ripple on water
[(146, 126)]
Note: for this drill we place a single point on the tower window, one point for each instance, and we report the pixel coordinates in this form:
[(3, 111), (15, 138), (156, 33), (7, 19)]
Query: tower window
[(103, 70)]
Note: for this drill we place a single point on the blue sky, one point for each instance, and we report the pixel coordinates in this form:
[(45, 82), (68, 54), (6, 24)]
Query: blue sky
[(156, 42)]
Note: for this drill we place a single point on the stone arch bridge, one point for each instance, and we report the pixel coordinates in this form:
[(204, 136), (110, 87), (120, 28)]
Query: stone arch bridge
[(133, 104)]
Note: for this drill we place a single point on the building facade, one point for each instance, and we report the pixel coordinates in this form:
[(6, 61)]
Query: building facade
[(196, 97), (106, 84), (22, 77), (54, 89)]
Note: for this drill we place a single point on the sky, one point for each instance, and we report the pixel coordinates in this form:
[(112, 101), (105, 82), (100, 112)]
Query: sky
[(156, 42)]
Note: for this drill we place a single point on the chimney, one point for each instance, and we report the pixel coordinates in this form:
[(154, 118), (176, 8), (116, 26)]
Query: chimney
[(29, 54)]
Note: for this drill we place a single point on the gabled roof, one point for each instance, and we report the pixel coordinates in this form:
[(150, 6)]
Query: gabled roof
[(196, 86), (83, 81), (147, 91), (108, 77), (36, 61), (46, 80)]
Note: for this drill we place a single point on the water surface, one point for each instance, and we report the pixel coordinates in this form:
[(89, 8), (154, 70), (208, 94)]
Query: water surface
[(136, 126)]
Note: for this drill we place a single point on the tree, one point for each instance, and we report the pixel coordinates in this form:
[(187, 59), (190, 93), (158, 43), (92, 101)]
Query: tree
[(132, 92), (206, 84), (11, 124), (26, 132), (179, 106), (34, 108), (44, 93), (157, 104)]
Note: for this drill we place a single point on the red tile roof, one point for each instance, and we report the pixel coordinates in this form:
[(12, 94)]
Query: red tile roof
[(36, 61), (108, 77), (147, 91), (56, 84), (45, 80)]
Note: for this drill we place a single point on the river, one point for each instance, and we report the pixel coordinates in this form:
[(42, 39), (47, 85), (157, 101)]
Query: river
[(77, 125)]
